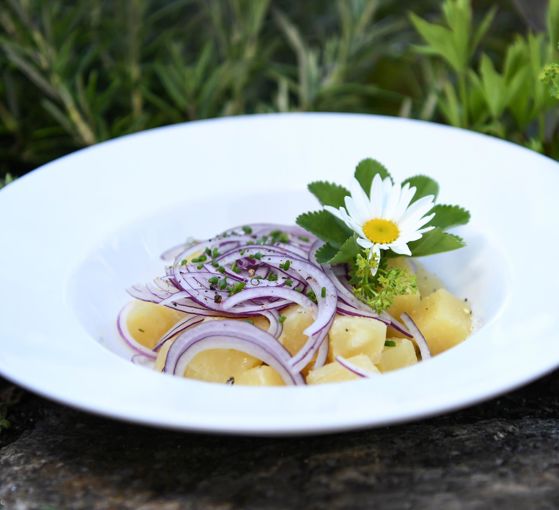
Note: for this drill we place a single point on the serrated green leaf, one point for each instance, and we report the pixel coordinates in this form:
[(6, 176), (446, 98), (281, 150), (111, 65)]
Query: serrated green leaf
[(424, 186), (435, 241), (325, 226), (447, 216), (328, 193), (325, 253), (347, 252), (366, 171)]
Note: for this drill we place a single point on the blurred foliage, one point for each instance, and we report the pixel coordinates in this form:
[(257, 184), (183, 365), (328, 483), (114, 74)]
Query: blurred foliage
[(76, 73)]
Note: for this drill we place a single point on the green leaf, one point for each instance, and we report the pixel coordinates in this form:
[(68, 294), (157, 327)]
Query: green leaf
[(493, 86), (325, 226), (325, 253), (439, 41), (447, 216), (347, 252), (435, 241), (329, 193), (483, 27), (424, 186), (366, 171)]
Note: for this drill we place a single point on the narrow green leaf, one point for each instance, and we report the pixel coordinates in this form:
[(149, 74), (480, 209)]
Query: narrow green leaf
[(424, 186), (347, 252), (435, 241), (482, 29), (366, 171), (447, 216), (325, 226), (328, 193), (439, 40), (325, 253)]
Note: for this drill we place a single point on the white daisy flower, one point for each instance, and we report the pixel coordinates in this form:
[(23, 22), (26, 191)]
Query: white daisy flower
[(386, 220)]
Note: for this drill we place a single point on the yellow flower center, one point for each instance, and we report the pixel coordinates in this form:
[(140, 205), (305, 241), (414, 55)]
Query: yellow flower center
[(381, 231)]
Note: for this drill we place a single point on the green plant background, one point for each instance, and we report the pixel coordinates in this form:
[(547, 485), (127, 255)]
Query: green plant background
[(76, 73)]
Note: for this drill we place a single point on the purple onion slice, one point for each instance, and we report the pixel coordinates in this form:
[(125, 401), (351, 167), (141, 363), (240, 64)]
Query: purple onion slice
[(122, 327), (417, 336), (353, 368), (228, 334)]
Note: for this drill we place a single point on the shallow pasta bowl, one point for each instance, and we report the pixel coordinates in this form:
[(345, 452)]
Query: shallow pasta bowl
[(81, 229)]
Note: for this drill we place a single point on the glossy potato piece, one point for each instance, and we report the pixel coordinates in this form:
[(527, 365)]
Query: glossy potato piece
[(213, 365), (399, 356), (334, 372), (350, 336), (297, 319), (444, 320), (147, 322), (219, 365), (406, 303), (259, 376)]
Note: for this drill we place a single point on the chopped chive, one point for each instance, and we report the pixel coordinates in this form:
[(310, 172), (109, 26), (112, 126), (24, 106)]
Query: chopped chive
[(305, 239), (312, 296), (258, 255), (282, 318), (323, 292), (208, 251), (285, 265), (201, 258), (279, 237), (289, 282), (237, 288), (390, 343), (223, 284), (184, 262), (213, 280), (247, 230), (221, 269), (272, 277), (235, 268), (215, 253), (250, 321)]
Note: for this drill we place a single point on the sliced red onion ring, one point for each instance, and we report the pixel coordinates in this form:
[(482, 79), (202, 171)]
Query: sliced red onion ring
[(170, 254), (353, 368), (278, 292), (275, 329), (228, 334), (178, 328), (417, 336), (122, 327)]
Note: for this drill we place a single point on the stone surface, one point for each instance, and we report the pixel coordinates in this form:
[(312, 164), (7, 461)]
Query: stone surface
[(503, 454)]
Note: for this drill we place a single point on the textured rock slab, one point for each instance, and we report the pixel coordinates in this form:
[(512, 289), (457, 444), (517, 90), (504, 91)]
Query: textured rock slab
[(503, 454)]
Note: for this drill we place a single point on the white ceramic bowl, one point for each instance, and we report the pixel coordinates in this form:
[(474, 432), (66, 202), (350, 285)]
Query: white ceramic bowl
[(79, 230)]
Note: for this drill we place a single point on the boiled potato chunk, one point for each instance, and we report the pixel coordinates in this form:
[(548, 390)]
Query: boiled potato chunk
[(407, 302), (334, 372), (403, 263), (148, 322), (297, 319), (443, 319), (219, 365), (260, 376), (350, 336), (397, 356)]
